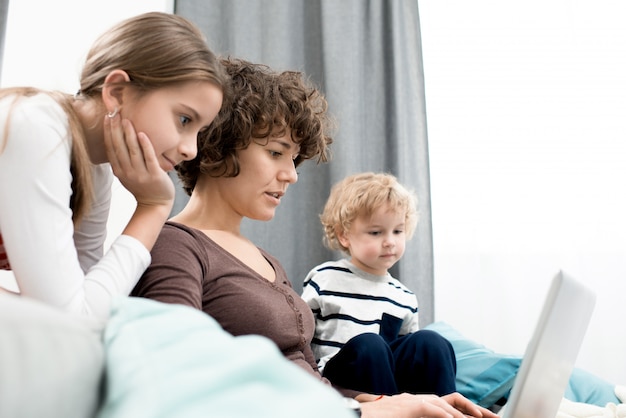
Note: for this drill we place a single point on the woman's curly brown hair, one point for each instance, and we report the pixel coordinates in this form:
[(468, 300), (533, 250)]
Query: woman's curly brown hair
[(262, 103)]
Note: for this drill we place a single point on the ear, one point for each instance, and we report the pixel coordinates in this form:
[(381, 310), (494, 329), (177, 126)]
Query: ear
[(342, 237), (113, 89)]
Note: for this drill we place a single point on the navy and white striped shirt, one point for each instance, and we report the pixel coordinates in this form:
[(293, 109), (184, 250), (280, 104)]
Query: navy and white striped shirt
[(347, 301)]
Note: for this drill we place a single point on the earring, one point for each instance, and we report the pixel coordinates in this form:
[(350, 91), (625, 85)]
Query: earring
[(112, 114)]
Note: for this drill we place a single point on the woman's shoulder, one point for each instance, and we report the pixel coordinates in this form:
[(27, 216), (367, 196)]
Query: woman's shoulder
[(179, 232), (174, 234)]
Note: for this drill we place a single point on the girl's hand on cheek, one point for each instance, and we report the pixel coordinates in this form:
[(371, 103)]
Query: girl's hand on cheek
[(135, 163)]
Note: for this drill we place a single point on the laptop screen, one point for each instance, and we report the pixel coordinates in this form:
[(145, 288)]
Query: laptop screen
[(552, 350)]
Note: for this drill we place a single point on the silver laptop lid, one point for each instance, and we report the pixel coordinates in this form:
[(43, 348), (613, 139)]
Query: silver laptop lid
[(552, 350)]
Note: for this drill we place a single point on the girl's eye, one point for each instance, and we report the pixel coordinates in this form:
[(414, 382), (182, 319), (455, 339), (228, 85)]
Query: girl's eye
[(184, 120), (275, 153), (374, 233)]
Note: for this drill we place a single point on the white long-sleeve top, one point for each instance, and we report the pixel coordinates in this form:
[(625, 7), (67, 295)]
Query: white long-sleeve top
[(52, 261)]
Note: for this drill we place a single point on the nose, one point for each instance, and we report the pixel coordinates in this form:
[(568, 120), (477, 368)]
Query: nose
[(288, 173), (389, 241), (188, 147)]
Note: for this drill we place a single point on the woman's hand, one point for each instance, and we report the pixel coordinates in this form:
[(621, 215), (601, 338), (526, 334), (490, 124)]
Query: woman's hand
[(467, 407), (427, 406)]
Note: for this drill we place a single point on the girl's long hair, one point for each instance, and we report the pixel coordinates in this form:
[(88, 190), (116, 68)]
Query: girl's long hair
[(156, 50)]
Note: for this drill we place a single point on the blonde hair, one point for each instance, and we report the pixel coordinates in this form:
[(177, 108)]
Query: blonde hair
[(361, 195), (156, 50)]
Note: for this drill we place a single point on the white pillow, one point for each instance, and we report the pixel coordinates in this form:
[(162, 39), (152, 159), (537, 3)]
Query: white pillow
[(51, 363)]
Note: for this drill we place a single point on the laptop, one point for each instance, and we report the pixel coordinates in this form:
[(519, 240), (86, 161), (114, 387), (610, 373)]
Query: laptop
[(552, 350)]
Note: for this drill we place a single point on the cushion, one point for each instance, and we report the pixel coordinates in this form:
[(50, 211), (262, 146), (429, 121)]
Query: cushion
[(166, 360), (51, 363), (484, 376), (587, 388)]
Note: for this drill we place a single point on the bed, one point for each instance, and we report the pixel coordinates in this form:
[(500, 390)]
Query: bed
[(156, 360)]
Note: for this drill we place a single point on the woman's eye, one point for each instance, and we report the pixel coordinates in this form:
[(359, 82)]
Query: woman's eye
[(184, 120)]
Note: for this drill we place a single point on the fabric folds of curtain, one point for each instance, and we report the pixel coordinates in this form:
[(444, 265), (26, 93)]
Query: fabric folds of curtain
[(4, 11), (366, 57)]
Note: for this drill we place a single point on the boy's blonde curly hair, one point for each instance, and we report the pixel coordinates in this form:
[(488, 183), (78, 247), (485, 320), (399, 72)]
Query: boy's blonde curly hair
[(360, 195)]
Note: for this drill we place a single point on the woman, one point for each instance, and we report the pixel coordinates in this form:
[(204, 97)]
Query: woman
[(149, 85), (246, 162)]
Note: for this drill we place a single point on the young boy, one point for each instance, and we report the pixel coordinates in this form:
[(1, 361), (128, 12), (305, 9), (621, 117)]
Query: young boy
[(367, 334)]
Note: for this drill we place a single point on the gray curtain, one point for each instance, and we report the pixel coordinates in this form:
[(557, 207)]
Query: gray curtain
[(4, 11), (366, 57)]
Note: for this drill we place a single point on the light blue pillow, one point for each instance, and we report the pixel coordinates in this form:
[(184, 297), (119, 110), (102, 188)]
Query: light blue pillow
[(168, 361), (484, 376), (588, 388)]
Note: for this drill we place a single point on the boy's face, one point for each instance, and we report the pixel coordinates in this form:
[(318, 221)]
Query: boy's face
[(376, 243)]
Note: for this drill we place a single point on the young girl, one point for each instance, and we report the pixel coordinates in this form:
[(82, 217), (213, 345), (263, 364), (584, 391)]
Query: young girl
[(367, 334), (246, 162), (148, 87)]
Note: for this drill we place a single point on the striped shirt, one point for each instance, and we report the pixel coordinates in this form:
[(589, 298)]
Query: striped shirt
[(347, 302)]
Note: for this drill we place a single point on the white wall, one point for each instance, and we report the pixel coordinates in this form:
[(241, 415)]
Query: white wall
[(526, 106), (46, 41), (525, 102)]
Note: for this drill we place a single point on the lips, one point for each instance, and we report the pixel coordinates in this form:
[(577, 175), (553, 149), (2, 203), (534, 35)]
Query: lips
[(169, 162), (274, 196)]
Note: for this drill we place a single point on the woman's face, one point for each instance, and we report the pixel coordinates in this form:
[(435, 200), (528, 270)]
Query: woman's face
[(266, 170), (173, 116)]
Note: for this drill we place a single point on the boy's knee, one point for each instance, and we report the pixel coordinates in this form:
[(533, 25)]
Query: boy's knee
[(432, 338), (430, 341), (368, 342)]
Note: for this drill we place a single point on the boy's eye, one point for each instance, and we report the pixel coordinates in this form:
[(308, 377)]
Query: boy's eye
[(275, 153), (184, 120)]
